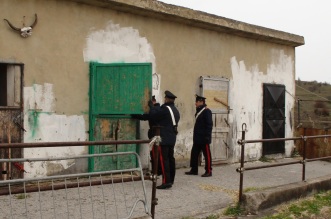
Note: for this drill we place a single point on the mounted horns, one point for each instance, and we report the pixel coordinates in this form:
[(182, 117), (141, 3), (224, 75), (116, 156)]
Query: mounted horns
[(12, 26), (25, 31)]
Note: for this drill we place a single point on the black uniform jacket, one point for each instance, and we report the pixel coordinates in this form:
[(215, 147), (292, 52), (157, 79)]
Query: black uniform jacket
[(161, 115), (151, 122), (203, 126)]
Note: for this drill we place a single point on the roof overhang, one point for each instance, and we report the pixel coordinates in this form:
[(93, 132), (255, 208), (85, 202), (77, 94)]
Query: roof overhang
[(160, 10)]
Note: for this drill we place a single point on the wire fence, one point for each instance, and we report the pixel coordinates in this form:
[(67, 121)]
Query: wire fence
[(104, 194)]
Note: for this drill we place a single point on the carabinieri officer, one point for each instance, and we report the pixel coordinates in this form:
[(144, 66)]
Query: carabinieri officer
[(201, 137), (167, 116)]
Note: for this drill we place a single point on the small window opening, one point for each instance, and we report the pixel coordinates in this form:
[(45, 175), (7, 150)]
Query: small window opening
[(10, 85)]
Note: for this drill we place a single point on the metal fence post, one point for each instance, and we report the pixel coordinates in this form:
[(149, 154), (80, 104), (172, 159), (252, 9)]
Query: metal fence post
[(155, 163), (242, 161), (304, 155)]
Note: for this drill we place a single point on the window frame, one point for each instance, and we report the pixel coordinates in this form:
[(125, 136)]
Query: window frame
[(21, 71)]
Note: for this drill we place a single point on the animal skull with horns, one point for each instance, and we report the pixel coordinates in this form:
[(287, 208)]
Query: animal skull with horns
[(25, 31)]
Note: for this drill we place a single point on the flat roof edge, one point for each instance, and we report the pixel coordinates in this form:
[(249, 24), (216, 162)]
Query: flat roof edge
[(160, 10)]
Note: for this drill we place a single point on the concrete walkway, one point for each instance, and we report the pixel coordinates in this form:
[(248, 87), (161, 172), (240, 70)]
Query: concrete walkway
[(198, 197)]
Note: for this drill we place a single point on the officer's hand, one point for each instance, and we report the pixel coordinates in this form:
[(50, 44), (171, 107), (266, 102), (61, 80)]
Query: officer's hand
[(134, 116), (150, 103)]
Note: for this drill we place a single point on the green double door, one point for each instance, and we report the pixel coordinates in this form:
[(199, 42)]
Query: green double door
[(116, 92)]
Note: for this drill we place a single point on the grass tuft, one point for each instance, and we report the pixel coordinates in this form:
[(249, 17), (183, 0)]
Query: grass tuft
[(234, 210), (22, 196), (318, 206)]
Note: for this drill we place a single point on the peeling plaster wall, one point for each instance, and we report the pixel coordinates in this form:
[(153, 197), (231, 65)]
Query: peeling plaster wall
[(246, 99), (115, 44), (43, 124)]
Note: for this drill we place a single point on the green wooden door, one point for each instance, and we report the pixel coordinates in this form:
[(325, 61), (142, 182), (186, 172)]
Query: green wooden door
[(114, 128), (116, 91)]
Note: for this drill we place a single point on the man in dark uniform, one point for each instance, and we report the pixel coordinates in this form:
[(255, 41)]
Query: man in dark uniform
[(146, 117), (151, 131), (201, 137), (167, 116)]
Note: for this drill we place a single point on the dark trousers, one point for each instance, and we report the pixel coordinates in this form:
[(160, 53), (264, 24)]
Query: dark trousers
[(153, 156), (168, 163), (196, 149)]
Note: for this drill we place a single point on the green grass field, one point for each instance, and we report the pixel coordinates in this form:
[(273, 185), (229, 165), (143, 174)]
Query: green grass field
[(313, 104)]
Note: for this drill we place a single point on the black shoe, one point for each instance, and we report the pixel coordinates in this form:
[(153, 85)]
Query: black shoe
[(206, 174), (191, 173), (164, 186)]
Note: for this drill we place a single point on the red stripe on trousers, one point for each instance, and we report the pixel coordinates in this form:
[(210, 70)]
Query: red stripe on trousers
[(208, 157), (162, 166)]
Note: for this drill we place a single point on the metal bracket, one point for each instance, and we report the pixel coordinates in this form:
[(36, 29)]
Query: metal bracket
[(240, 170), (19, 125)]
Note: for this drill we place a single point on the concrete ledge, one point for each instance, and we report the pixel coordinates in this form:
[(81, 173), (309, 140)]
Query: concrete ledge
[(145, 217), (262, 200)]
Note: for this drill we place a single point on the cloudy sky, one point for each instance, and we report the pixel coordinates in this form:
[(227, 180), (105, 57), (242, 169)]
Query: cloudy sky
[(307, 18)]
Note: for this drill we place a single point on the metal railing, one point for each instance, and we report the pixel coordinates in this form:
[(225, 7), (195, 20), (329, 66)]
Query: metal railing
[(103, 194), (23, 187), (303, 161)]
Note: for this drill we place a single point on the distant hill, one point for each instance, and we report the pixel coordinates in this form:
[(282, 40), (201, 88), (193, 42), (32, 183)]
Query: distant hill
[(313, 110)]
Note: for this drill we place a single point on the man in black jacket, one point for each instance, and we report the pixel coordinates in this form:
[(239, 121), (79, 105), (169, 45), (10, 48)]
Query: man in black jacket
[(167, 116), (146, 117), (151, 132), (201, 137)]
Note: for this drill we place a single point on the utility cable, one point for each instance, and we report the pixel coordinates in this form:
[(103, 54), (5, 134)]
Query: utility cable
[(312, 92)]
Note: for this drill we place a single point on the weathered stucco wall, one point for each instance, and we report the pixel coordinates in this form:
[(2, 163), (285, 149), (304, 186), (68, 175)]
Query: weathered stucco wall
[(43, 124), (69, 35), (247, 99)]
